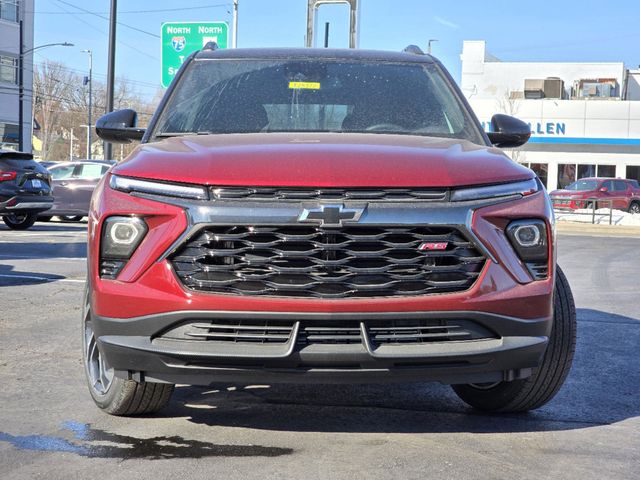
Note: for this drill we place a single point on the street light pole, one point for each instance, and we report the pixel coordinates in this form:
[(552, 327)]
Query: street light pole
[(431, 40), (90, 53), (21, 55)]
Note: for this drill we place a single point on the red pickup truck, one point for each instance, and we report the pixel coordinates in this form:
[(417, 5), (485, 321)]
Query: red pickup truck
[(621, 194)]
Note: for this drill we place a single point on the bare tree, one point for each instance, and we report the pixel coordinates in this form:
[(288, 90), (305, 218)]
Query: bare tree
[(61, 107), (510, 106)]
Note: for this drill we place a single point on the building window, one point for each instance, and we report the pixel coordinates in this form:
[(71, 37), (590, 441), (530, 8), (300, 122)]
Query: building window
[(8, 69), (585, 171), (541, 170), (566, 174), (8, 134), (9, 10), (633, 172), (607, 171), (570, 172)]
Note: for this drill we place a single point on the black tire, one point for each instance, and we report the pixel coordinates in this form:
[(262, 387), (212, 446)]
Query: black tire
[(535, 391), (70, 218), (111, 394), (634, 208), (46, 218), (22, 221)]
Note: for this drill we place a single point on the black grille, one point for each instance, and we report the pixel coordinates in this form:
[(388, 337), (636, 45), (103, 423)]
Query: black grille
[(539, 270), (310, 261), (110, 269), (338, 332), (233, 331), (338, 194)]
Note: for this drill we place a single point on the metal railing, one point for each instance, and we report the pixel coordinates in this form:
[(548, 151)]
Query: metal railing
[(592, 203)]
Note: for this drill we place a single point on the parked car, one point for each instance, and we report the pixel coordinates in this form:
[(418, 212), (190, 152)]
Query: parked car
[(24, 189), (73, 184), (621, 194), (304, 215)]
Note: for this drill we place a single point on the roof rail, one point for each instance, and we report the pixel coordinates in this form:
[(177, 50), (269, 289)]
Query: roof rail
[(210, 46), (416, 50)]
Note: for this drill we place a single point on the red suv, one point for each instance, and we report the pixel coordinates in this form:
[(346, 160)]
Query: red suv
[(321, 216), (617, 193)]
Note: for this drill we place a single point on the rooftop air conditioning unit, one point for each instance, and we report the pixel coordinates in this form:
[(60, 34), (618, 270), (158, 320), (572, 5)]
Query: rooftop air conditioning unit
[(553, 87), (533, 89)]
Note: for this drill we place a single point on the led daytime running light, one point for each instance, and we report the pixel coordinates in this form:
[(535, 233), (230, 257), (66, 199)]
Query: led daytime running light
[(128, 185)]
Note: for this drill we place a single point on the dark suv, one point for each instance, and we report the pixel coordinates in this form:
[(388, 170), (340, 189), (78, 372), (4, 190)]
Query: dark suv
[(321, 216), (25, 189)]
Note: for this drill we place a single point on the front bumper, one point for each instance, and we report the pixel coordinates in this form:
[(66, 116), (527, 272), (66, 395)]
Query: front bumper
[(512, 351), (132, 312), (26, 204)]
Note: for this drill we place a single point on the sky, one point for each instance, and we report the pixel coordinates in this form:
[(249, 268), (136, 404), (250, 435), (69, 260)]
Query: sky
[(562, 31)]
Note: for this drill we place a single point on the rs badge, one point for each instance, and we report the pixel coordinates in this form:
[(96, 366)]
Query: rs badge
[(433, 246)]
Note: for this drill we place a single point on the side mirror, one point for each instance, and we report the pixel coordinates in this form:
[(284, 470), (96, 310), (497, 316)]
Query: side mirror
[(119, 127), (604, 189), (508, 132)]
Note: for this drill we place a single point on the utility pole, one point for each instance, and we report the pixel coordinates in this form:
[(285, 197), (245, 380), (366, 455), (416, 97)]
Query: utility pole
[(111, 68), (90, 82), (234, 39), (71, 146), (21, 89)]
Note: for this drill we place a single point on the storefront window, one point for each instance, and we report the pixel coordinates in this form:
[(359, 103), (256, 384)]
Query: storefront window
[(541, 170), (566, 174), (607, 171), (585, 171), (633, 172)]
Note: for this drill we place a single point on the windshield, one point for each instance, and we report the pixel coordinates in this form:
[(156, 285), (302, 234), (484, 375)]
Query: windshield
[(246, 96), (582, 185)]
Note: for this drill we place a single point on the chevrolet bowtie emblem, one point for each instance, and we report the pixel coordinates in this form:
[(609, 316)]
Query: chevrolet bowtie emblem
[(330, 215)]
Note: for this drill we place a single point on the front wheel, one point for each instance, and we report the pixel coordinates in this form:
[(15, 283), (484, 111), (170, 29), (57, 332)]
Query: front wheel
[(114, 395), (535, 391), (634, 208), (22, 221)]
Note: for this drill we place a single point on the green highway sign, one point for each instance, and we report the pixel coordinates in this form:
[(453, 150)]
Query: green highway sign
[(180, 39)]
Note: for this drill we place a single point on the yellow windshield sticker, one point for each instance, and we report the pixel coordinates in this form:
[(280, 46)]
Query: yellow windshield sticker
[(304, 85)]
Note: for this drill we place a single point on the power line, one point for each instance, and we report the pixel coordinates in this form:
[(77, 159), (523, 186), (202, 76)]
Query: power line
[(107, 18), (160, 10), (93, 27)]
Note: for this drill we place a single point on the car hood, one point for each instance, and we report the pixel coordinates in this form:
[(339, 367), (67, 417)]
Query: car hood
[(321, 160)]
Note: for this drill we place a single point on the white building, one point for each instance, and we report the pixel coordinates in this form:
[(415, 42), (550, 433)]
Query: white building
[(584, 117), (12, 14)]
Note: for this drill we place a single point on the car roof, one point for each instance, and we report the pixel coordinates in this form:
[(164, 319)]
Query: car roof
[(599, 179), (314, 53), (81, 162), (5, 153)]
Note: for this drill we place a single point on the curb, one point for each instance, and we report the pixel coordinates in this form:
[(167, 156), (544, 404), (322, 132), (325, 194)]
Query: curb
[(598, 230)]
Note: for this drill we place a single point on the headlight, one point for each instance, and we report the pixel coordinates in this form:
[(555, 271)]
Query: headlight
[(529, 240), (523, 188), (125, 184), (121, 236)]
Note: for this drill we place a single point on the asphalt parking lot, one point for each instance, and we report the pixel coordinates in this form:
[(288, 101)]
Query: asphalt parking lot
[(50, 428)]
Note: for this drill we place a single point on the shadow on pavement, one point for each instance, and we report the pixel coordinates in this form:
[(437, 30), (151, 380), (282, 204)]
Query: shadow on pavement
[(36, 250), (10, 277), (602, 388)]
